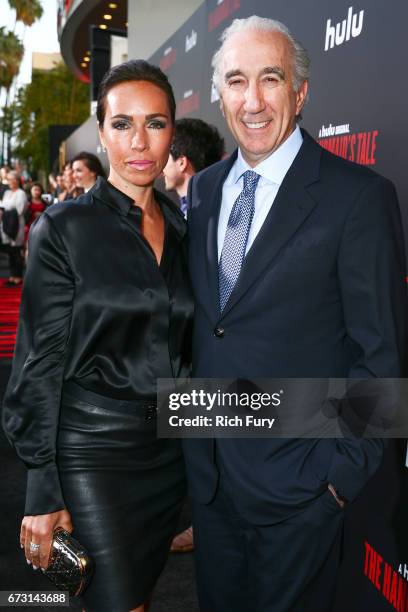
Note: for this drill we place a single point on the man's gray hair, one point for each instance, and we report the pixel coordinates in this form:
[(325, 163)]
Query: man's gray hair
[(301, 61)]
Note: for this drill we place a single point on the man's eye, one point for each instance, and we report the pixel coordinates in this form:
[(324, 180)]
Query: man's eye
[(235, 83), (272, 80), (157, 125), (120, 125)]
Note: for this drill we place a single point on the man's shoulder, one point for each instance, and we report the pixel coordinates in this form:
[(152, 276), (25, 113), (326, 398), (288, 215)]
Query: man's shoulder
[(212, 172), (345, 172)]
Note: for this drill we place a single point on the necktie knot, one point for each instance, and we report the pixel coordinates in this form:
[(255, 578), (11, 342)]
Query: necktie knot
[(251, 179)]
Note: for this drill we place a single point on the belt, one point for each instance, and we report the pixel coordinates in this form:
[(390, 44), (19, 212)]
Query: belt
[(141, 406)]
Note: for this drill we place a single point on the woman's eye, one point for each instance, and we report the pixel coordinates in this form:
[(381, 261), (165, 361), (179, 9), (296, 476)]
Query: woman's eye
[(120, 125), (157, 125)]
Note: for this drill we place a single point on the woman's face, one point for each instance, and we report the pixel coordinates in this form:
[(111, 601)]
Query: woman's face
[(82, 175), (35, 192), (137, 133), (12, 181)]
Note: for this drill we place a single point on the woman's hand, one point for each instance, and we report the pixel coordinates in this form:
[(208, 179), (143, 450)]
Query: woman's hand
[(37, 532)]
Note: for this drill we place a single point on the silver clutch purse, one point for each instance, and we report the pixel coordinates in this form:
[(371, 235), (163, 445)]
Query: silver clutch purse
[(70, 566)]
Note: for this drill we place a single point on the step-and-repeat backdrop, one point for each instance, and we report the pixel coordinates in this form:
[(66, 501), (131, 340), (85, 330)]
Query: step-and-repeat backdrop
[(358, 110)]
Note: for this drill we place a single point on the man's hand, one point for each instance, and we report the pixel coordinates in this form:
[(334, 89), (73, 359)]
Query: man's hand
[(37, 532), (339, 500)]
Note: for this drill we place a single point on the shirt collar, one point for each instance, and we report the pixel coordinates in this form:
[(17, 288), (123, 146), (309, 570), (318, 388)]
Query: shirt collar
[(274, 167), (110, 195)]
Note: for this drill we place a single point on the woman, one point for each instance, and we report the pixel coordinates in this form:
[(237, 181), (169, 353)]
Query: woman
[(36, 206), (70, 190), (86, 168), (14, 199), (106, 311)]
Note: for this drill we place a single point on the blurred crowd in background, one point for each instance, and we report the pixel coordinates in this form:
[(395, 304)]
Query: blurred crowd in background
[(23, 200)]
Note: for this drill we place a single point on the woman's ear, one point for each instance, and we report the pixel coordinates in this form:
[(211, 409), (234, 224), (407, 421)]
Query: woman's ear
[(100, 131)]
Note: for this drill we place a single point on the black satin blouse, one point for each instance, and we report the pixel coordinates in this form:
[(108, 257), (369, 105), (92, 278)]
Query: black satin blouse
[(96, 309)]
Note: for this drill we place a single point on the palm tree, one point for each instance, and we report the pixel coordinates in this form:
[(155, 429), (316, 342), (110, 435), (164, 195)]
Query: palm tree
[(27, 11), (11, 54), (12, 50)]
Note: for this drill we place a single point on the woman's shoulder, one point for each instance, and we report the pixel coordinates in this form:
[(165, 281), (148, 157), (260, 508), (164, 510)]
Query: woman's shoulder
[(69, 207)]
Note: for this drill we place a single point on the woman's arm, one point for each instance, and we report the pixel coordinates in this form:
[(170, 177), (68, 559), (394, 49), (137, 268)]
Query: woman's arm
[(20, 202), (32, 400)]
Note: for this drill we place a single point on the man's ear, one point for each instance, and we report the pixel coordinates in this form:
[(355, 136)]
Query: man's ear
[(182, 162), (222, 106), (301, 96)]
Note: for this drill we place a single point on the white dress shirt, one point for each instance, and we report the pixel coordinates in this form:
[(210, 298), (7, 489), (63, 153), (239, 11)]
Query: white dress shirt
[(272, 171)]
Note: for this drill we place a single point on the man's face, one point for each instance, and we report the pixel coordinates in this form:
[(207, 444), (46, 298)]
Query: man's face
[(173, 176), (257, 96)]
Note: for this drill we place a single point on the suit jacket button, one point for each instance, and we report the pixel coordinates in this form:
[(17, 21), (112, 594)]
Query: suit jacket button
[(219, 332)]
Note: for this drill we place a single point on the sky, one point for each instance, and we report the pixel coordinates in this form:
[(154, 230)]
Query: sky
[(42, 36)]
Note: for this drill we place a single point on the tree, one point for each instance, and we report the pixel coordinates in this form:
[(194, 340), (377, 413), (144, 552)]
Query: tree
[(27, 11), (53, 97), (11, 54)]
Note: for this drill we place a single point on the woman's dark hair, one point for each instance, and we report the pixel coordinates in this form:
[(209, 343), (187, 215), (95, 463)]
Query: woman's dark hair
[(36, 184), (91, 162), (133, 70)]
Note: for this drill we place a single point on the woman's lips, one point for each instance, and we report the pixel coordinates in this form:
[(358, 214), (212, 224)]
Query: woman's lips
[(140, 164)]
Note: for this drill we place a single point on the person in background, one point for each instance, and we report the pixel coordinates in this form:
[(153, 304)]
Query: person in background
[(86, 168), (196, 145), (36, 206), (12, 242), (57, 187), (4, 170), (70, 190), (52, 183), (106, 311)]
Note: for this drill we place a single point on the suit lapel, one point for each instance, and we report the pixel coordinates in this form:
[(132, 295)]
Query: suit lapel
[(292, 205)]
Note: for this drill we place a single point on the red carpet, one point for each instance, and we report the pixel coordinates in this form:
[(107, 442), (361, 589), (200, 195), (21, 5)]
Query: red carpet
[(9, 310)]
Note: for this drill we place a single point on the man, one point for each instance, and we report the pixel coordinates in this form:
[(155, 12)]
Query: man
[(196, 145), (297, 267)]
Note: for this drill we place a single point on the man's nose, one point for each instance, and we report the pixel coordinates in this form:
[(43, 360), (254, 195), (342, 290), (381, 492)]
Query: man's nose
[(254, 100)]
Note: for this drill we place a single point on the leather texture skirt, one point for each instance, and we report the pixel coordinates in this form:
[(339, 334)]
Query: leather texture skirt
[(124, 489)]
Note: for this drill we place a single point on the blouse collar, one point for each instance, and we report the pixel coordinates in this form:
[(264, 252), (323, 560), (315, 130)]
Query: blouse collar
[(109, 194)]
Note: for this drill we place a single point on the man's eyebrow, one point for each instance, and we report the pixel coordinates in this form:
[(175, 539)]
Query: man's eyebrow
[(232, 73), (274, 70), (267, 70)]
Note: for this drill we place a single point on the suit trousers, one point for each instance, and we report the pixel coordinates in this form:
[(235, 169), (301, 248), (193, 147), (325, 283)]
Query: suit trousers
[(286, 567)]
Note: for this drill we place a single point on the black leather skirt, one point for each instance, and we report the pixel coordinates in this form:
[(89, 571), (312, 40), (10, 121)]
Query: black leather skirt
[(124, 489)]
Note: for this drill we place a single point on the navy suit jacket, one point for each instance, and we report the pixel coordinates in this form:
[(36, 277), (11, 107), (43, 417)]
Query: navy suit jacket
[(321, 294)]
